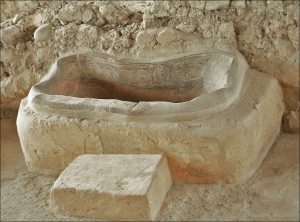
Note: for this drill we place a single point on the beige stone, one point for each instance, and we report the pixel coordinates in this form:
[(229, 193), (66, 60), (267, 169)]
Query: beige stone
[(18, 17), (11, 35), (291, 121), (218, 134), (215, 5), (289, 79), (70, 13), (86, 35), (161, 8), (112, 187), (197, 4), (186, 27), (226, 30), (168, 35), (238, 4), (146, 38), (87, 15), (42, 33), (112, 11)]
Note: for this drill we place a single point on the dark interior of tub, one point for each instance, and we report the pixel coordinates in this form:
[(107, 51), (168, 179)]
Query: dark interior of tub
[(176, 80)]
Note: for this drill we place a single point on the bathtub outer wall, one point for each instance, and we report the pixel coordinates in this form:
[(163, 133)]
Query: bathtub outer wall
[(225, 147)]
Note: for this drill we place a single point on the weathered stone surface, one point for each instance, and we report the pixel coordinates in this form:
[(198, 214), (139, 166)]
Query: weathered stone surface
[(42, 33), (10, 35), (215, 5), (112, 11), (186, 27), (70, 13), (112, 187), (238, 4), (87, 35), (291, 122), (162, 8), (197, 4), (18, 17), (167, 36), (265, 43), (146, 38), (218, 141)]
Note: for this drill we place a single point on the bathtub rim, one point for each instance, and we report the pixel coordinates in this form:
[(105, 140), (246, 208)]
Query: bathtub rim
[(200, 106)]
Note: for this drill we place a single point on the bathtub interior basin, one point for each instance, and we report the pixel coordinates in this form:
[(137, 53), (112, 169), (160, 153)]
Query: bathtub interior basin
[(89, 83), (176, 80)]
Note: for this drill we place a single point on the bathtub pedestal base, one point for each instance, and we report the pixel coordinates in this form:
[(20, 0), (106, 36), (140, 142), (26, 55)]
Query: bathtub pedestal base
[(223, 147)]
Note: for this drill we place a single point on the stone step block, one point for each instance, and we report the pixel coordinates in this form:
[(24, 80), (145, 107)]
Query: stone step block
[(112, 187)]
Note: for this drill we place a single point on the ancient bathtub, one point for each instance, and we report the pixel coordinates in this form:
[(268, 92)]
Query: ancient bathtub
[(206, 111)]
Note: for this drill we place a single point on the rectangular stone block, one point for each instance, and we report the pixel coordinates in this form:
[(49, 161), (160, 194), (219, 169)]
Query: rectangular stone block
[(112, 187)]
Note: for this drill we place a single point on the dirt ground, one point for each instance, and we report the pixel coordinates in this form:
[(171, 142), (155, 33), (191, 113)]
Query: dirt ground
[(271, 194)]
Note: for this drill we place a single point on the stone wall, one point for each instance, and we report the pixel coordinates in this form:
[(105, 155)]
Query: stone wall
[(34, 34)]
